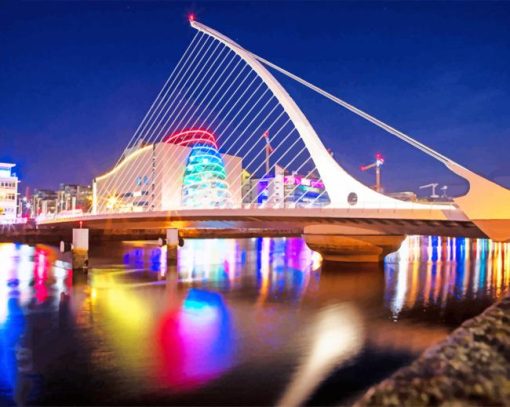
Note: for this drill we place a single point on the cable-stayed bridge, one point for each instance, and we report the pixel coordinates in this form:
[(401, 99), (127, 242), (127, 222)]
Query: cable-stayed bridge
[(224, 144)]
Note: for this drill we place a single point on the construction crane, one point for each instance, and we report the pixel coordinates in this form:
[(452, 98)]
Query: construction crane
[(433, 187), (269, 150), (444, 188), (377, 164)]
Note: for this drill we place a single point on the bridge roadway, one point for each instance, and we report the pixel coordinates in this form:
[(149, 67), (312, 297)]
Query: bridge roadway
[(220, 222)]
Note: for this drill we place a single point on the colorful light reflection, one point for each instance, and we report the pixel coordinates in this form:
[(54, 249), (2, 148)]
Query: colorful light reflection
[(432, 271), (195, 342), (25, 275)]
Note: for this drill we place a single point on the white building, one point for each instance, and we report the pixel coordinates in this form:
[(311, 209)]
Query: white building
[(8, 194)]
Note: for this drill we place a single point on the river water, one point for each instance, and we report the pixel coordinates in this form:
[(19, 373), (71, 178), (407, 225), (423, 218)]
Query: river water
[(237, 321)]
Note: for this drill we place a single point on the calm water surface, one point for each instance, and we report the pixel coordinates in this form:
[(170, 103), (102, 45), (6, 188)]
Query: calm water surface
[(237, 321)]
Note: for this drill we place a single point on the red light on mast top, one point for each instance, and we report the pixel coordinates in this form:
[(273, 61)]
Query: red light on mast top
[(379, 160), (191, 17)]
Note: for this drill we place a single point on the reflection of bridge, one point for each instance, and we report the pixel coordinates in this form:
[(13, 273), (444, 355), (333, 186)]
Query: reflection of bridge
[(251, 158)]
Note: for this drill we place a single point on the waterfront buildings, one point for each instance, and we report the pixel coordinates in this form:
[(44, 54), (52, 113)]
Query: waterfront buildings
[(283, 190), (73, 198), (68, 199), (184, 170), (8, 193), (44, 202)]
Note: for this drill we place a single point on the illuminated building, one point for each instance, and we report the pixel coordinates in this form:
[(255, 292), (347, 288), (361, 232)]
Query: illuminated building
[(8, 194), (205, 180), (44, 202), (184, 170), (74, 198), (285, 191)]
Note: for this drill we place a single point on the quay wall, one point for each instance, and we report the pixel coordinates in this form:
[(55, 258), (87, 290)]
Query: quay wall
[(470, 367)]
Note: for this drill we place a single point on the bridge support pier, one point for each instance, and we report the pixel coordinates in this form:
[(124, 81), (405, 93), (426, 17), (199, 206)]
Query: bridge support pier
[(345, 244), (172, 243), (80, 249)]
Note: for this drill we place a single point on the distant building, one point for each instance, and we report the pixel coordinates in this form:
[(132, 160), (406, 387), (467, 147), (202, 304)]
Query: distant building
[(8, 193), (44, 202), (24, 204), (72, 198), (285, 191)]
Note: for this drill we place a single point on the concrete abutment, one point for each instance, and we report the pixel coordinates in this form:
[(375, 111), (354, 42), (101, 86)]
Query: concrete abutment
[(345, 244)]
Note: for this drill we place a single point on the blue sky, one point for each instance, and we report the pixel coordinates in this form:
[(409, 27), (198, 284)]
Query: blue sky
[(77, 77)]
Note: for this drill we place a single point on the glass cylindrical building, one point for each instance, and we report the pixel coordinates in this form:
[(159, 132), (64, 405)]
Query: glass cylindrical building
[(204, 183)]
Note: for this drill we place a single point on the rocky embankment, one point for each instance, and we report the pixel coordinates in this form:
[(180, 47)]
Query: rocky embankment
[(470, 367)]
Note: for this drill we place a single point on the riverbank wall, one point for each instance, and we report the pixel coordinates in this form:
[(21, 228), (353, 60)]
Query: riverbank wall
[(470, 367)]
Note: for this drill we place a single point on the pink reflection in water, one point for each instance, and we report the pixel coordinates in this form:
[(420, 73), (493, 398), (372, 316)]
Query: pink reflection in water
[(195, 341)]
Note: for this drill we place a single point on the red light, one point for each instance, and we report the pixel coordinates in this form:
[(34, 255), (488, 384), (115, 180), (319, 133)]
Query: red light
[(191, 17), (191, 137), (379, 156)]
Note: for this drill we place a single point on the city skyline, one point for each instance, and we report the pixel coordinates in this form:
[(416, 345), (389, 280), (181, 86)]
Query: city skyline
[(259, 202), (94, 83)]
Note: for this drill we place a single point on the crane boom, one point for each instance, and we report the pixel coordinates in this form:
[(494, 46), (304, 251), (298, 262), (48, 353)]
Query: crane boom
[(433, 187), (379, 161)]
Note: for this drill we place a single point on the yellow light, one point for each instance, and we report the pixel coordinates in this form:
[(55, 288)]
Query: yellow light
[(124, 162), (111, 202)]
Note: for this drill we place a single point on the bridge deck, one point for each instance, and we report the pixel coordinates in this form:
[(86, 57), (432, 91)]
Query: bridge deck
[(424, 222)]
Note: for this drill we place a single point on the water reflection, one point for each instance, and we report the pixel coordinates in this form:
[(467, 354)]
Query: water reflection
[(433, 272), (233, 316), (337, 337), (195, 342), (31, 281)]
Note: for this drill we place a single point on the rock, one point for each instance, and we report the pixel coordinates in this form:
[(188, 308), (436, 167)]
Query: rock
[(470, 367)]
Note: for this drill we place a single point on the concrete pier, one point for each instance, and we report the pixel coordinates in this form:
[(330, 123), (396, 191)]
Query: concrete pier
[(346, 244), (80, 249), (172, 243)]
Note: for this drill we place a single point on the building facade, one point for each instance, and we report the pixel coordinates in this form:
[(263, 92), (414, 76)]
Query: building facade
[(185, 170), (8, 194), (44, 203), (73, 198), (285, 191)]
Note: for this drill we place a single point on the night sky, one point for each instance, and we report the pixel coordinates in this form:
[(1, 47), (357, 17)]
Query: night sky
[(77, 77)]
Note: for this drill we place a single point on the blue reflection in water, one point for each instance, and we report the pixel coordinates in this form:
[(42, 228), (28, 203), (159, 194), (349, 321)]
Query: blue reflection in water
[(10, 332), (482, 262), (135, 257), (156, 259), (283, 268), (460, 267)]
